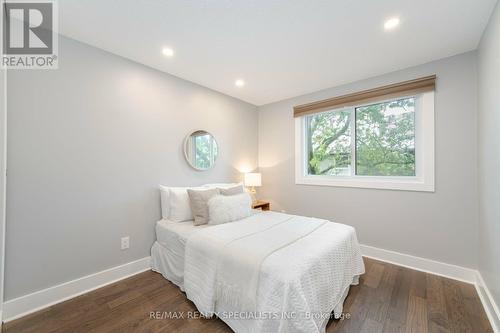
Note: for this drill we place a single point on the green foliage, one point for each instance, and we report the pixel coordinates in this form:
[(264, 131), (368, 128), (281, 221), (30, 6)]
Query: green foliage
[(329, 144), (206, 151), (385, 140)]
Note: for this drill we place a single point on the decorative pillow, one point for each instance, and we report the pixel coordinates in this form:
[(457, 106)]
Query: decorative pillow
[(238, 189), (224, 209), (199, 204)]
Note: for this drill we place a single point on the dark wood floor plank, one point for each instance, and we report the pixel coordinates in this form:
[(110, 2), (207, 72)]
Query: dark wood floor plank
[(474, 309), (391, 326), (418, 286), (374, 275), (455, 306), (436, 305), (400, 295), (357, 312), (380, 300), (417, 315), (389, 299), (371, 326)]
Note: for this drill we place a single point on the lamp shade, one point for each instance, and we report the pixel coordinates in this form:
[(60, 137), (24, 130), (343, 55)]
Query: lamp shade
[(253, 179)]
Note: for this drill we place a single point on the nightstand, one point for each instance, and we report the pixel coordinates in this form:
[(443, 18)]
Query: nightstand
[(264, 205)]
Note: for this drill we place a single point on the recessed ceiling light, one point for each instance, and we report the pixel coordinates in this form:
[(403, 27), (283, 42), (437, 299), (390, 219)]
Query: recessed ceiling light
[(391, 23), (239, 83), (167, 52)]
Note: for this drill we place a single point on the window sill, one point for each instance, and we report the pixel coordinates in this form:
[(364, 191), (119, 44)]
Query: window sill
[(401, 184)]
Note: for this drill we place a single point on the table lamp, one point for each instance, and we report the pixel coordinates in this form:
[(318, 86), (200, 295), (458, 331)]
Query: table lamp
[(253, 179)]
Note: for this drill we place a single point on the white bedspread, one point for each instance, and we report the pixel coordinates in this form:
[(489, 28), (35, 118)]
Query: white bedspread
[(292, 270)]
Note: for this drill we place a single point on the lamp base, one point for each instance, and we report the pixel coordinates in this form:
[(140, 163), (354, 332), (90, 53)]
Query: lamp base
[(253, 193)]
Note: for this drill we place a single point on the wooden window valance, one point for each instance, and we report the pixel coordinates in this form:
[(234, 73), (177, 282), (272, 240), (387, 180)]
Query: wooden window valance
[(424, 84)]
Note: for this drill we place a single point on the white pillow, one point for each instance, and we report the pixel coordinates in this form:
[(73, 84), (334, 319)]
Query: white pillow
[(224, 209), (179, 205), (238, 189), (222, 185), (164, 194), (175, 205)]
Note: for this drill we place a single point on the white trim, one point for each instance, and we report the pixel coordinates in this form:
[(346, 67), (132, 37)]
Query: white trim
[(391, 183), (24, 305), (420, 264), (424, 143), (490, 307)]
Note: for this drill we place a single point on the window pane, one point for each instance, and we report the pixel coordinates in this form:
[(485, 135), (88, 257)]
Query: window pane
[(385, 139), (329, 143)]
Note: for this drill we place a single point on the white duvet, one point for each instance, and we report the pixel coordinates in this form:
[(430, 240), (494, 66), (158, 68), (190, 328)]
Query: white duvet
[(272, 272)]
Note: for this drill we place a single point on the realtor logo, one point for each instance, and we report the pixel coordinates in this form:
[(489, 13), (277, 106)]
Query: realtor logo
[(29, 35)]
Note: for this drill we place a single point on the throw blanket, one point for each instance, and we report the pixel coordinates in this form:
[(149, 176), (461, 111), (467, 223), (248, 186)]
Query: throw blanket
[(272, 263), (238, 270)]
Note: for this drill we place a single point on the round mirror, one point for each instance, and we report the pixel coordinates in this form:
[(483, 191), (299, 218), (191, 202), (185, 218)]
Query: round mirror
[(201, 150)]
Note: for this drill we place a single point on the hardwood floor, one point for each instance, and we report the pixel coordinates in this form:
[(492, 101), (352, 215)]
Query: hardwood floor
[(389, 298)]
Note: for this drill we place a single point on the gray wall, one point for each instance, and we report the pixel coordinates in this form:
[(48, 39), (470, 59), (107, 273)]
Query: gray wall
[(88, 145), (441, 225), (489, 155)]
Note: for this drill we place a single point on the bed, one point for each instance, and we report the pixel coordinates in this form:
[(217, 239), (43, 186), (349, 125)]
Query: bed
[(269, 272)]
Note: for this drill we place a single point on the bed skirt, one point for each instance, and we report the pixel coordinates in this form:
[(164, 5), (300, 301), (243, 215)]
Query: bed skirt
[(168, 264)]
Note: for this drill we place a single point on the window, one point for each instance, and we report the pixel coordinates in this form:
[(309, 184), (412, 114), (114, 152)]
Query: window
[(385, 144), (385, 138)]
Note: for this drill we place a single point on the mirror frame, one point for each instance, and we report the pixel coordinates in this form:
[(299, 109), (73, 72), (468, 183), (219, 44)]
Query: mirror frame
[(184, 148)]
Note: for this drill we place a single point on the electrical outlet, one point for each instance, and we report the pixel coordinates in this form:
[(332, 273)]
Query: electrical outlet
[(125, 243)]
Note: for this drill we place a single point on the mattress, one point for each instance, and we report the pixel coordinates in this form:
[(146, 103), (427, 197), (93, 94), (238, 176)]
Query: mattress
[(167, 253), (173, 235)]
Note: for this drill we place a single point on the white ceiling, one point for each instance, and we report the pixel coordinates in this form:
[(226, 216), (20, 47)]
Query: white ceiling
[(281, 48)]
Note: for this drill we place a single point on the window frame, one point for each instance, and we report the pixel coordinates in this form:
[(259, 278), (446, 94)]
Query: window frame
[(424, 153)]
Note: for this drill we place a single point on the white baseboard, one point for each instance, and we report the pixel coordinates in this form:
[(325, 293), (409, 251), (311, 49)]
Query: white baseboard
[(446, 270), (421, 264), (490, 307), (21, 306)]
